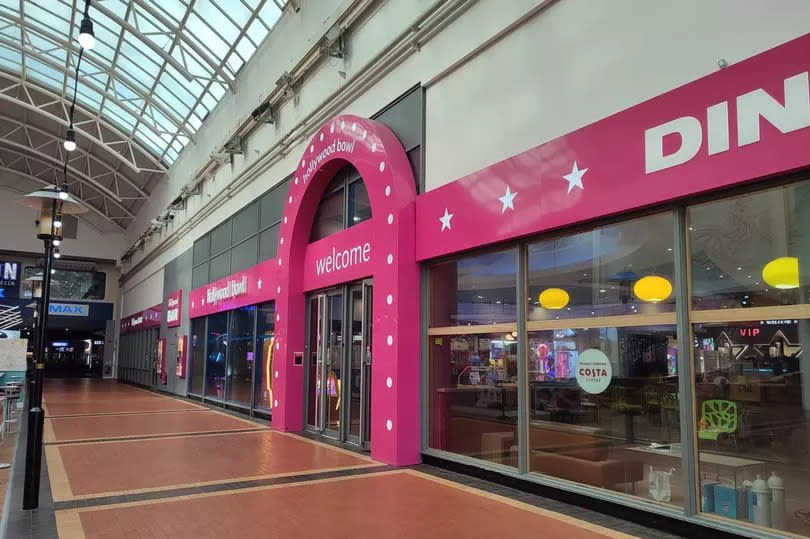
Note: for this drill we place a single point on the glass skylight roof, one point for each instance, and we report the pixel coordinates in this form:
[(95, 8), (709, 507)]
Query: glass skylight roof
[(158, 68)]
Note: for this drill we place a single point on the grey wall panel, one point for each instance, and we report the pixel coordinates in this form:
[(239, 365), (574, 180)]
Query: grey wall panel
[(176, 276)]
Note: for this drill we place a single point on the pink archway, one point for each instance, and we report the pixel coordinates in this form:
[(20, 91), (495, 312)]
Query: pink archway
[(378, 156)]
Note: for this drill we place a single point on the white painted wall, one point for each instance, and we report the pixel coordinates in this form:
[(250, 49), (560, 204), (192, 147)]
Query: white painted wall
[(18, 233), (580, 61), (487, 99), (146, 293)]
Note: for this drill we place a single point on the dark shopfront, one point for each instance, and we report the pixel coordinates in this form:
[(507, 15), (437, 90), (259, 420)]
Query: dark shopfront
[(139, 347), (231, 355)]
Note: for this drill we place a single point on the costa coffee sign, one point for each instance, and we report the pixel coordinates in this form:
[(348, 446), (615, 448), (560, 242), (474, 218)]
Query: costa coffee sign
[(148, 318), (174, 308)]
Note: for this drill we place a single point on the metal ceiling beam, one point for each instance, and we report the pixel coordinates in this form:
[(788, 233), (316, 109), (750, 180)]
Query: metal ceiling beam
[(40, 181), (79, 152), (145, 40), (212, 63), (95, 134), (56, 173), (101, 66)]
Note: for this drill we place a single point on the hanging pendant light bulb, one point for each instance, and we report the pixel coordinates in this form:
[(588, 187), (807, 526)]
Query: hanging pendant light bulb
[(652, 289), (57, 242), (70, 139), (63, 192), (87, 38), (57, 221), (553, 298), (57, 254)]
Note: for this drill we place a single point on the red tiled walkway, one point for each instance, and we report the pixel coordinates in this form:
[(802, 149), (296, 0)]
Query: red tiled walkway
[(151, 451)]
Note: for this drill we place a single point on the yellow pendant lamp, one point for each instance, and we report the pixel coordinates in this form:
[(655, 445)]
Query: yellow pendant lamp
[(782, 272), (652, 289), (553, 298)]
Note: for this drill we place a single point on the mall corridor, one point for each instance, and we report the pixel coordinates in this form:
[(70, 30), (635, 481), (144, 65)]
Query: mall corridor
[(125, 462)]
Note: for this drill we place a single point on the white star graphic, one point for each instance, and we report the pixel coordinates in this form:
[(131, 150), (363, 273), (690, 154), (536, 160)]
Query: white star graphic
[(259, 283), (575, 177), (445, 220), (508, 200)]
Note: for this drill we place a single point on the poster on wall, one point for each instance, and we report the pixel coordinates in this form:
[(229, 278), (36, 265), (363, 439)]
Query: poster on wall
[(180, 360)]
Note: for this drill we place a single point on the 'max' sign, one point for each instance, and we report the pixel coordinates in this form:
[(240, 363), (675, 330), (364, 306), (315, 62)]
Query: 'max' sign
[(68, 309), (794, 114)]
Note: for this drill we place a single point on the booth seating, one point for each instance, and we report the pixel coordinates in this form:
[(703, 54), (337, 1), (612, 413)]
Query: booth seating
[(564, 451), (580, 455)]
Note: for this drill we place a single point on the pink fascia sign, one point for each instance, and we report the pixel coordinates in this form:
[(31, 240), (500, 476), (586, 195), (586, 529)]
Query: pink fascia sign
[(253, 285), (339, 258), (745, 122), (174, 308), (148, 318)]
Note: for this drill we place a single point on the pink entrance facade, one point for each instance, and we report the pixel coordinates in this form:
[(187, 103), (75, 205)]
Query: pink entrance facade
[(747, 122)]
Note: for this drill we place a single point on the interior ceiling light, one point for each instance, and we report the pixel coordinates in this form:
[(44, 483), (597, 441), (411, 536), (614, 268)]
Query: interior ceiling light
[(87, 38), (70, 139), (57, 242), (57, 221), (554, 298), (652, 289), (782, 272), (57, 254), (63, 192)]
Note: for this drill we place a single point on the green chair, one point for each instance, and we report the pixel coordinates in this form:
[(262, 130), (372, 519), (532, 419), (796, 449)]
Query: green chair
[(721, 418)]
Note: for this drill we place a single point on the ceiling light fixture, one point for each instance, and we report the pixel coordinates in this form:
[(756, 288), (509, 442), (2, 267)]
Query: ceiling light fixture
[(87, 38), (57, 221), (70, 139)]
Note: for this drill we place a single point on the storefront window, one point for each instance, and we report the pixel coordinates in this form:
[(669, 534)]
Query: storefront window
[(216, 352), (473, 369), (265, 330), (602, 359), (197, 356), (359, 205), (750, 259), (240, 355), (622, 269), (476, 290), (329, 217)]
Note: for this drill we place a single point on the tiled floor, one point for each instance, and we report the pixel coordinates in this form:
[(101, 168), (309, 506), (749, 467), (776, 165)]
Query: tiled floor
[(130, 463)]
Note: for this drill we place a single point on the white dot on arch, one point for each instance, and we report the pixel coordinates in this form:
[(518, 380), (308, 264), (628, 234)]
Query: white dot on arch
[(279, 261), (388, 190), (354, 126), (278, 290), (342, 125), (389, 340), (281, 240), (278, 318), (285, 219), (382, 166), (275, 404), (296, 180), (374, 147), (277, 376), (389, 424), (290, 199), (389, 299), (321, 137), (390, 218), (311, 148), (390, 259), (389, 381), (364, 134), (332, 128)]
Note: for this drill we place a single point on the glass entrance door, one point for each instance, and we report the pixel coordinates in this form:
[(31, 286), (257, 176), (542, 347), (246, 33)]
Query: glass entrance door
[(339, 363)]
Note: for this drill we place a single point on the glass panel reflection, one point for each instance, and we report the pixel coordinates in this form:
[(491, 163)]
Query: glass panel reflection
[(473, 395), (474, 290), (265, 331), (217, 352), (621, 269), (241, 355), (752, 250), (197, 355), (604, 410)]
